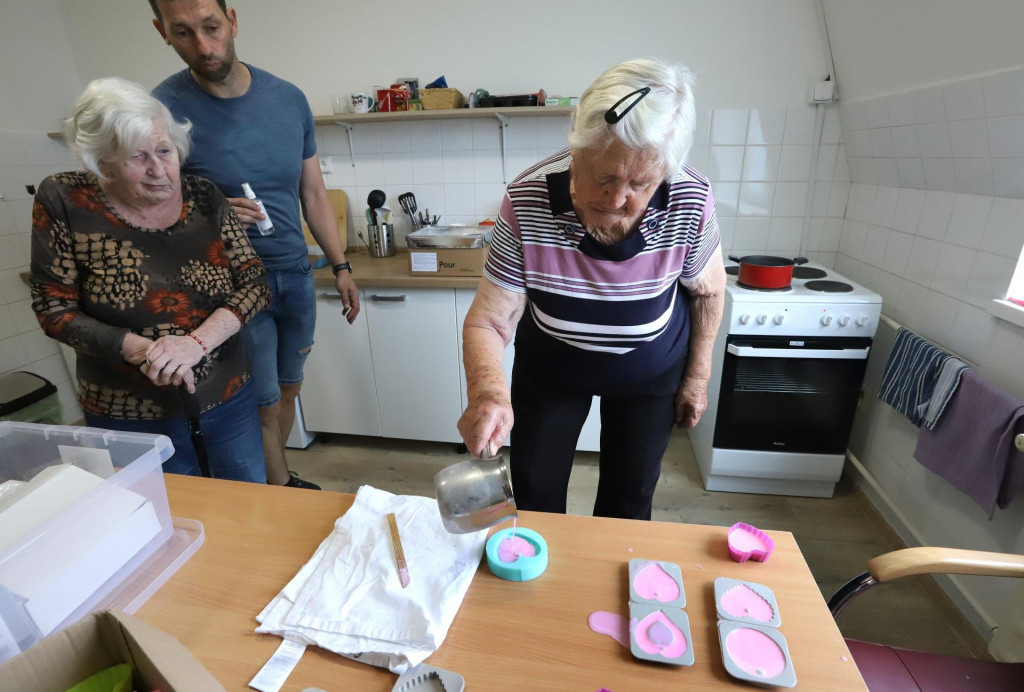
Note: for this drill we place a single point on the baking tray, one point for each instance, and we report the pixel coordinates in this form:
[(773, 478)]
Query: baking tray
[(448, 237)]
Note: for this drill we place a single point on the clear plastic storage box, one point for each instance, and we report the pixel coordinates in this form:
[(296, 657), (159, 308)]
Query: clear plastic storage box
[(86, 555)]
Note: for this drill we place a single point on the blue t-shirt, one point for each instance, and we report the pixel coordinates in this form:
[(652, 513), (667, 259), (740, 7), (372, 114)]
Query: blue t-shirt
[(261, 138)]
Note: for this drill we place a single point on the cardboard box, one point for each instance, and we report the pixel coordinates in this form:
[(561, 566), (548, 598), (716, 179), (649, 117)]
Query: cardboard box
[(447, 261), (102, 640)]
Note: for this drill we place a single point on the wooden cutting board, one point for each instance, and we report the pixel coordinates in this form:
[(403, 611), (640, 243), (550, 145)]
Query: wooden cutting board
[(340, 202)]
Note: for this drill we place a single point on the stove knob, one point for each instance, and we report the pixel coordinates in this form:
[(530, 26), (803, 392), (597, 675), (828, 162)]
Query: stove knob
[(761, 319), (744, 318), (779, 319), (826, 320), (863, 320), (844, 320)]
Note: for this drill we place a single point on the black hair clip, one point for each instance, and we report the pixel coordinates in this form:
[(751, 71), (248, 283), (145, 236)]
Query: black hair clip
[(611, 117)]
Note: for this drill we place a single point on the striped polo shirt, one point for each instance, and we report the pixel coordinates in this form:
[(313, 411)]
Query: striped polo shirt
[(601, 313)]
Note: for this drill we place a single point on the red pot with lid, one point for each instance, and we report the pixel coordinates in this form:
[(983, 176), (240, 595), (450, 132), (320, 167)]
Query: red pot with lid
[(766, 271)]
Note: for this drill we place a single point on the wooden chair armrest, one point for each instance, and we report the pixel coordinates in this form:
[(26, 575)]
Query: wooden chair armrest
[(928, 560)]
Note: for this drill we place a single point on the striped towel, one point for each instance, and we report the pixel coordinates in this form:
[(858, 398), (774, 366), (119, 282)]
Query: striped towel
[(945, 387), (911, 375)]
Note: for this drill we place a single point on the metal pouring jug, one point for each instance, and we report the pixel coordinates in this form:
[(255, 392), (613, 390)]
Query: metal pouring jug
[(475, 494)]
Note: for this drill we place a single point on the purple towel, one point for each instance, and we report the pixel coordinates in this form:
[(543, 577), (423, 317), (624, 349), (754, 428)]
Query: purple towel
[(972, 446)]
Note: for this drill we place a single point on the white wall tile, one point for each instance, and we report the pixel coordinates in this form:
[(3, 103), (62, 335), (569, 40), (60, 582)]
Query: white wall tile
[(725, 164), (969, 138), (365, 139), (12, 153), (1008, 177), (459, 199), (521, 133), (487, 166), (964, 100), (729, 126), (832, 129), (874, 249), (886, 199), (7, 225), (726, 198), (751, 234), (369, 171), (838, 197), (1006, 136), (458, 166), (904, 141), (426, 135), (784, 235), (831, 234), (876, 113), (972, 332), (908, 210), (397, 169), (862, 202), (952, 270), (456, 135), (933, 139), (911, 173), (796, 162), (924, 256), (968, 220), (427, 167), (790, 199), (12, 254), (858, 143), (395, 138), (886, 172), (909, 308), (486, 133), (552, 133), (939, 315), (938, 174), (12, 354), (974, 176), (852, 115), (881, 142), (697, 158), (799, 125), (756, 199), (826, 165), (1004, 231), (897, 252), (989, 278), (935, 214), (766, 126), (488, 198), (518, 160)]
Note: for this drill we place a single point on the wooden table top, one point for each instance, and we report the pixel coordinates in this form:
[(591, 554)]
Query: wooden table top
[(370, 272), (507, 636)]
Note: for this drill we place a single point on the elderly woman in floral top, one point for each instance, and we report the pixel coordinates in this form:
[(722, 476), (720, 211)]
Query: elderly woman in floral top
[(149, 276)]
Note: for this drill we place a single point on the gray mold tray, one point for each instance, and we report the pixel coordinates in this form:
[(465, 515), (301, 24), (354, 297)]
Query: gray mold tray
[(757, 601), (655, 582), (426, 678), (660, 634), (766, 670)]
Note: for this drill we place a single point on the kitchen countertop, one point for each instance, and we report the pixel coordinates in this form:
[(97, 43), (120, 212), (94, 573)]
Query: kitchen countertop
[(390, 271)]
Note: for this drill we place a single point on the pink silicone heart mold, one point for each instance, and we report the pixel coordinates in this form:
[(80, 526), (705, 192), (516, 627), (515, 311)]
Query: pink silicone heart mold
[(748, 542)]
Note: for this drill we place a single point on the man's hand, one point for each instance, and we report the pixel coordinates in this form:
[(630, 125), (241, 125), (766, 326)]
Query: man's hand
[(691, 400), (247, 210), (349, 293)]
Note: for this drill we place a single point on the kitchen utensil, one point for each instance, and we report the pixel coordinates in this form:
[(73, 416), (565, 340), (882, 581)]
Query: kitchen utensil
[(766, 271), (396, 542), (407, 200), (382, 240), (375, 200), (475, 494)]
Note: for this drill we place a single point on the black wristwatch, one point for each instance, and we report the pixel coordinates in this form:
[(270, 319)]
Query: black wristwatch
[(344, 265)]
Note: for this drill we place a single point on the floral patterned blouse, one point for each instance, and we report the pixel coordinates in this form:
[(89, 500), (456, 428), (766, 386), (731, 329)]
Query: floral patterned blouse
[(95, 277)]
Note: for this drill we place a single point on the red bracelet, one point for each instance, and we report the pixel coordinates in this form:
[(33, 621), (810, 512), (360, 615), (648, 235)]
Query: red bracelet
[(201, 344)]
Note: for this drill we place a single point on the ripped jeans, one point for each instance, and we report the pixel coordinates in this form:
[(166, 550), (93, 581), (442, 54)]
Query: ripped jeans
[(278, 339)]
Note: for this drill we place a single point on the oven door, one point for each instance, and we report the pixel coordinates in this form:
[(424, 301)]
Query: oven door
[(790, 394)]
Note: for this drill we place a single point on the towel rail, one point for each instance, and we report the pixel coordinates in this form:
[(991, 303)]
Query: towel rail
[(896, 326)]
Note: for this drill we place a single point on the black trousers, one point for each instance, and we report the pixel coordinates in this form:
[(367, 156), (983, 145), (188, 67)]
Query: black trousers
[(636, 422)]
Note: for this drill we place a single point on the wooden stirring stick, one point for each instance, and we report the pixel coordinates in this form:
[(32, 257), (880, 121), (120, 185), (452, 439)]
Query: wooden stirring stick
[(403, 569)]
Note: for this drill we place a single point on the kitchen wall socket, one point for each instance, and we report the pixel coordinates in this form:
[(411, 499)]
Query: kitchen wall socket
[(822, 92), (326, 166)]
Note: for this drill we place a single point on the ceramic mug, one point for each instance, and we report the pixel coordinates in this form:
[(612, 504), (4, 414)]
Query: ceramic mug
[(362, 103)]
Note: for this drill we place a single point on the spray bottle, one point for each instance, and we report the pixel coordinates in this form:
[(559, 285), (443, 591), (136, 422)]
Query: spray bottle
[(266, 226)]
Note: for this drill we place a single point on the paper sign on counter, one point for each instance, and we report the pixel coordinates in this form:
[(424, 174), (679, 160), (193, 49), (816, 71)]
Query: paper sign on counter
[(424, 261)]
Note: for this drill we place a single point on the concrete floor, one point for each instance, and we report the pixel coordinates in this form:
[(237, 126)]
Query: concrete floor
[(837, 536)]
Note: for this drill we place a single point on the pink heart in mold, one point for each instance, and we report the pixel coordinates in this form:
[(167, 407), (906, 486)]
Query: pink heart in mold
[(653, 582)]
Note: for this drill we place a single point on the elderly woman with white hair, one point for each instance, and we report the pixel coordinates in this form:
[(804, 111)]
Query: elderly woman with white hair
[(149, 275), (606, 266)]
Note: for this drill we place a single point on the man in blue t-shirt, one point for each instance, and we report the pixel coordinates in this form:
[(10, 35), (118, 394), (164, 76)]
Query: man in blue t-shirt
[(252, 127)]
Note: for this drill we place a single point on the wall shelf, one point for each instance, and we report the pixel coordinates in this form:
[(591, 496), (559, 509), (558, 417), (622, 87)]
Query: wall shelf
[(348, 120)]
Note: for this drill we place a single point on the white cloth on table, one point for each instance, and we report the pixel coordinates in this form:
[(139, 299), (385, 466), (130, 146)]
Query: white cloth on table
[(348, 598)]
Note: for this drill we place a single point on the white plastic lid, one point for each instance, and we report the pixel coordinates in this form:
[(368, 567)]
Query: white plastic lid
[(247, 191)]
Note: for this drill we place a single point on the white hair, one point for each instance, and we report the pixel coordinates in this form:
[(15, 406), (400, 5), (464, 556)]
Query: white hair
[(113, 118), (663, 121)]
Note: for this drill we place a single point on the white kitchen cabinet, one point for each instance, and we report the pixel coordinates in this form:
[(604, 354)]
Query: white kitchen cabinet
[(339, 391), (590, 435), (415, 356)]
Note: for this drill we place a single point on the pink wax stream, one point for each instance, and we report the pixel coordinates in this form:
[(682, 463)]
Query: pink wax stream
[(612, 624)]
